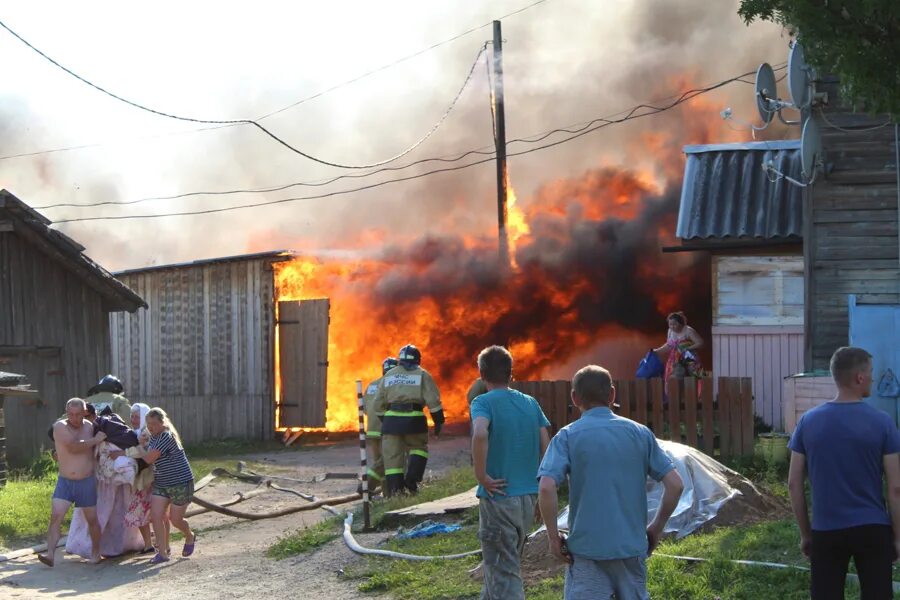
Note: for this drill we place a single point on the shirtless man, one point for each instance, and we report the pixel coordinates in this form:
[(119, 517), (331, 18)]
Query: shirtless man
[(76, 483)]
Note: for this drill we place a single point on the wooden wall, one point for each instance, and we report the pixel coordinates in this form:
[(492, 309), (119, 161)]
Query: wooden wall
[(766, 354), (804, 393), (850, 241), (55, 330), (204, 349), (757, 290)]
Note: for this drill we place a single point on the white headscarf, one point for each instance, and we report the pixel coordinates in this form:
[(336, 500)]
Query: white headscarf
[(144, 409)]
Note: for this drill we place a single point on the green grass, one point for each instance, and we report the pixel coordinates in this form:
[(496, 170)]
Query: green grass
[(306, 539), (25, 511), (309, 538), (428, 580)]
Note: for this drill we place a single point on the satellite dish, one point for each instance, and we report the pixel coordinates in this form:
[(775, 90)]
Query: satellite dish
[(810, 148), (798, 76), (766, 93)]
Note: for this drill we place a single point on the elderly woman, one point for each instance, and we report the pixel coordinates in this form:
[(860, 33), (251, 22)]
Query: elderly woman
[(681, 342), (138, 512)]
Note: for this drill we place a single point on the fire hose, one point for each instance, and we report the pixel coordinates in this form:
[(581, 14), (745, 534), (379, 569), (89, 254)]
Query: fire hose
[(351, 543), (261, 480)]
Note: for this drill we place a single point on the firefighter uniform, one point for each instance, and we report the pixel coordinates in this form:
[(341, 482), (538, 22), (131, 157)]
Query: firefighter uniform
[(402, 396), (373, 435), (477, 388)]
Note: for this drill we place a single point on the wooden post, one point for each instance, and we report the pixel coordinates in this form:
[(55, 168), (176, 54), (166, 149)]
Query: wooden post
[(363, 467), (747, 439), (500, 142)]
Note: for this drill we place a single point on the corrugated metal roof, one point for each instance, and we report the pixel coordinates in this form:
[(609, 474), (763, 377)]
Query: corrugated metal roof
[(271, 255), (726, 193)]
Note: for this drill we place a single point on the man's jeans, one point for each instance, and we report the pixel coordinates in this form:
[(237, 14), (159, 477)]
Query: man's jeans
[(504, 524)]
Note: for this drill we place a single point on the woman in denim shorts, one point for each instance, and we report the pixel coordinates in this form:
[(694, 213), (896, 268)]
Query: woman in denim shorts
[(173, 483)]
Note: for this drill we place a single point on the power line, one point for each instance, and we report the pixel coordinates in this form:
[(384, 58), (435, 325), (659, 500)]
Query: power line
[(251, 121), (284, 108), (603, 122), (534, 138)]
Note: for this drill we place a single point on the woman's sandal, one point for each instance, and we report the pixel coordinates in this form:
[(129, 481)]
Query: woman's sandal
[(189, 548), (159, 558)]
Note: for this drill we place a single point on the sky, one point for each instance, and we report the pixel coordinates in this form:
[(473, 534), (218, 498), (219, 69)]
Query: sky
[(565, 62)]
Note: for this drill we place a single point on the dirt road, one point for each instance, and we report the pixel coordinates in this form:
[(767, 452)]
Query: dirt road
[(230, 560)]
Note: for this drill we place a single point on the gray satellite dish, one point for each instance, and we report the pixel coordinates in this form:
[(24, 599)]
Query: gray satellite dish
[(810, 148), (798, 77), (766, 93)]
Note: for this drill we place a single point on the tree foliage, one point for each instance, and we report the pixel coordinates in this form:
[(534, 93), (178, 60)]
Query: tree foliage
[(856, 40)]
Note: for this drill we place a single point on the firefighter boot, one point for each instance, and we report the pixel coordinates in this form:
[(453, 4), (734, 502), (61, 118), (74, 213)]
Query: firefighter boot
[(415, 469), (393, 485)]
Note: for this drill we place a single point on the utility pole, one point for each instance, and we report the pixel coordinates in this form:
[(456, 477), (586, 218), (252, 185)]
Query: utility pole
[(500, 142)]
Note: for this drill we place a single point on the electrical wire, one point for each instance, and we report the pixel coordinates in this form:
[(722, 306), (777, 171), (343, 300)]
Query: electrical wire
[(298, 102), (862, 130), (252, 122), (320, 183), (603, 122)]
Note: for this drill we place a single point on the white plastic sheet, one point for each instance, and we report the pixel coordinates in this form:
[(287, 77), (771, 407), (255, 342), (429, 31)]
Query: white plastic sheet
[(706, 490)]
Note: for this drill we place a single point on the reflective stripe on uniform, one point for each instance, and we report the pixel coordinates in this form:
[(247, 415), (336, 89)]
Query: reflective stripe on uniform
[(395, 471), (409, 413), (373, 475), (374, 434), (421, 453)]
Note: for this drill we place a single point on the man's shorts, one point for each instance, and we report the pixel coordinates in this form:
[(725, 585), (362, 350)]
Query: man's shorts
[(180, 495), (83, 492)]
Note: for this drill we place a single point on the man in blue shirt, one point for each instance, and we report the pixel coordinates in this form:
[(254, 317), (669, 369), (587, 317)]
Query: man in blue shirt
[(848, 447), (607, 459), (509, 435)]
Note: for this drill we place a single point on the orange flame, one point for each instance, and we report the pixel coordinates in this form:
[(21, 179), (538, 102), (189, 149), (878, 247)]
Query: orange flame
[(587, 266)]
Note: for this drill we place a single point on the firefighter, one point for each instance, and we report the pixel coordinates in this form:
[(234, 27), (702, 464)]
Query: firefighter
[(373, 427), (477, 388), (402, 396)]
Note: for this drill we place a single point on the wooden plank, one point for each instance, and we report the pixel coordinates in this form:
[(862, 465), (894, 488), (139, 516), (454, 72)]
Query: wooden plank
[(656, 400), (624, 398), (675, 390), (734, 416), (724, 416), (690, 412), (746, 407), (641, 400), (708, 415)]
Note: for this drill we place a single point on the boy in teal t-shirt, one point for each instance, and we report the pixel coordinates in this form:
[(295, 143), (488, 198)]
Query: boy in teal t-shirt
[(509, 436)]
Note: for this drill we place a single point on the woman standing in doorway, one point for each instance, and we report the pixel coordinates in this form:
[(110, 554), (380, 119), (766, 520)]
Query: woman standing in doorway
[(173, 483), (682, 341)]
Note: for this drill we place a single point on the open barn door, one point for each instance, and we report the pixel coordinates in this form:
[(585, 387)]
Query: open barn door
[(303, 353)]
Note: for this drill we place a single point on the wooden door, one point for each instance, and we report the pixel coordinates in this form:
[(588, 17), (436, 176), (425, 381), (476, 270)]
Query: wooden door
[(303, 353)]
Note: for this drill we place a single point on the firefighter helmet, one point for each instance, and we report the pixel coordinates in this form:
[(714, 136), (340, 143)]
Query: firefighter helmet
[(109, 383), (409, 356), (389, 363)]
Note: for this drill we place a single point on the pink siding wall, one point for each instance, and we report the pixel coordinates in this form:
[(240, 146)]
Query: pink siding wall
[(768, 354)]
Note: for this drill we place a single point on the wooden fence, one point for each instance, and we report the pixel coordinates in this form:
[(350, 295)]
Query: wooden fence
[(686, 413)]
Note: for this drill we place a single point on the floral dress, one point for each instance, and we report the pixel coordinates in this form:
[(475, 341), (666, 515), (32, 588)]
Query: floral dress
[(681, 362)]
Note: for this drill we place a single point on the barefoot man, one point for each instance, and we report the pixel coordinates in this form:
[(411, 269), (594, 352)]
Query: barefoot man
[(74, 446)]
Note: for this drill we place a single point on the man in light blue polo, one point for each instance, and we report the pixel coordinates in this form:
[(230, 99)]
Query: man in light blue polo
[(509, 435), (607, 459)]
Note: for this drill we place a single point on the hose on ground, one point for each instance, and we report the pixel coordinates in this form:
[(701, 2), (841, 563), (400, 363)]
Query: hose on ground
[(351, 543)]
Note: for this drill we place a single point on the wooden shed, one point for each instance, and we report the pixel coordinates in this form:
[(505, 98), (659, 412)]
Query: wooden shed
[(55, 304), (850, 236), (752, 227), (205, 351)]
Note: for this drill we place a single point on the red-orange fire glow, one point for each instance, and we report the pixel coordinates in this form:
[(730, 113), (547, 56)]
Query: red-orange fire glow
[(587, 266)]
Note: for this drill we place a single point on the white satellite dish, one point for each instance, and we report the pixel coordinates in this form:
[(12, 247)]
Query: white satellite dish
[(798, 77), (810, 149), (766, 93)]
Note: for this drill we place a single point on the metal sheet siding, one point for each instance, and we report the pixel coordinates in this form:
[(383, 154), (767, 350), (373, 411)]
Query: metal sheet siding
[(726, 193)]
